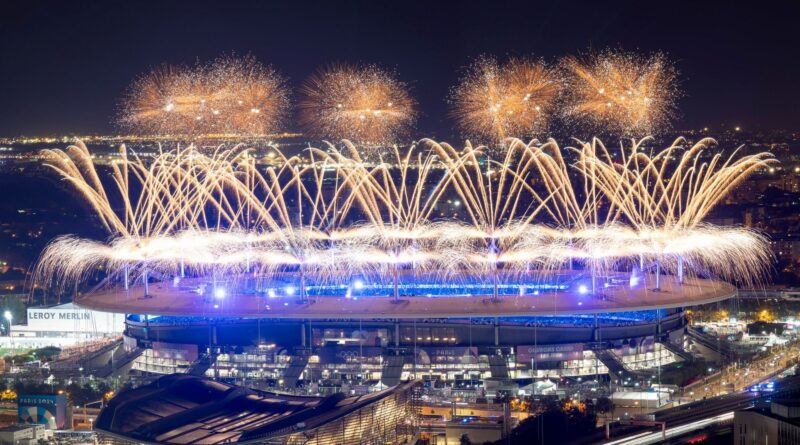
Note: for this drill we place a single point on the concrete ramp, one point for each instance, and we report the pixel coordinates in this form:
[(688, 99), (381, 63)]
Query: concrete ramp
[(294, 371), (392, 369), (122, 363), (677, 350), (711, 343), (202, 365)]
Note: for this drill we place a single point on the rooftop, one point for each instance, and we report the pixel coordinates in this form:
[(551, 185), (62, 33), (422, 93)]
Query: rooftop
[(182, 409)]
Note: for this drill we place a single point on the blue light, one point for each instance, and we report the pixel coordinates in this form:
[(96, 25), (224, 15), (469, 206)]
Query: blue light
[(271, 293), (583, 290), (358, 285), (289, 290), (219, 293)]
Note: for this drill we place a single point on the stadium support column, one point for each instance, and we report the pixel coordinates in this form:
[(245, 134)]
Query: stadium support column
[(145, 280), (680, 270), (506, 432), (126, 277), (183, 268), (396, 284), (397, 334), (214, 333), (493, 256), (658, 276), (303, 296), (496, 332), (303, 334)]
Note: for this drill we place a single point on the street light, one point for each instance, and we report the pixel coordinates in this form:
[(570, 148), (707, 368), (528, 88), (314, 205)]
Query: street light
[(9, 317)]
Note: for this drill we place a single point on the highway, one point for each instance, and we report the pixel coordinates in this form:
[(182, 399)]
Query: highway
[(656, 437), (704, 413)]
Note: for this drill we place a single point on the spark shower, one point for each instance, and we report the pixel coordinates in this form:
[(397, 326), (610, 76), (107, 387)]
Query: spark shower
[(332, 217)]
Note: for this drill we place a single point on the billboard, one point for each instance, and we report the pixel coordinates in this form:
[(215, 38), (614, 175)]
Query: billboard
[(349, 354), (71, 318), (445, 355), (175, 351), (549, 353), (49, 410)]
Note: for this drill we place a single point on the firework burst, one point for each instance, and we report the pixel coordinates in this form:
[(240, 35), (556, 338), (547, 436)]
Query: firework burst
[(623, 93), (360, 103), (517, 99), (229, 96)]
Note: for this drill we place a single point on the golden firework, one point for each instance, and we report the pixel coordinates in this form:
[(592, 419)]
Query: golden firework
[(229, 96), (516, 99), (360, 103), (624, 93), (221, 213)]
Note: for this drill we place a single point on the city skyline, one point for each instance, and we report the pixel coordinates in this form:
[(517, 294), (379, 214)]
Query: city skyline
[(68, 77), (352, 222)]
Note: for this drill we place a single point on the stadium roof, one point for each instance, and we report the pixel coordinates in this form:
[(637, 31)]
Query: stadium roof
[(168, 300), (182, 409)]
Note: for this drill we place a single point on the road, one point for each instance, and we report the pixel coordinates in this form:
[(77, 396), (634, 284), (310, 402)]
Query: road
[(735, 378), (651, 438), (704, 413)]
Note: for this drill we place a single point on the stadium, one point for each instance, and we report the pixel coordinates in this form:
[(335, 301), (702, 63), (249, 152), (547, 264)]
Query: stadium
[(325, 272)]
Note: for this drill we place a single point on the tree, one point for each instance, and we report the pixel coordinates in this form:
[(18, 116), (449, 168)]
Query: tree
[(604, 405), (554, 425)]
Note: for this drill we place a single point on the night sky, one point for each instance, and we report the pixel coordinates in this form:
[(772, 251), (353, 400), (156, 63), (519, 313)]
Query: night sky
[(66, 63)]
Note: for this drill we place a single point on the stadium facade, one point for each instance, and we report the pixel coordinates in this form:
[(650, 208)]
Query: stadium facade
[(301, 346)]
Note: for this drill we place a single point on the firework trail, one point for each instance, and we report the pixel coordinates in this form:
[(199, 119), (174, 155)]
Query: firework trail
[(335, 217)]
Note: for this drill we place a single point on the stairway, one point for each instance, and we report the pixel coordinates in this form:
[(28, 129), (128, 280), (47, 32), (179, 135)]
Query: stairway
[(498, 367), (613, 363)]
